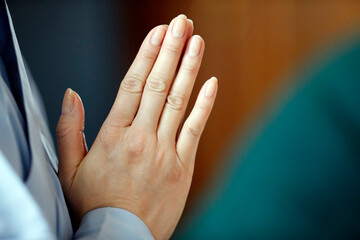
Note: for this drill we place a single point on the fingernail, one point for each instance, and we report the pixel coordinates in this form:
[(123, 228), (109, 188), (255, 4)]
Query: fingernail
[(211, 87), (195, 46), (158, 36), (179, 28), (68, 102), (191, 21)]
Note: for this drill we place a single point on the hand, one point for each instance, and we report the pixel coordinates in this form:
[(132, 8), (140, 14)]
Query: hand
[(138, 162)]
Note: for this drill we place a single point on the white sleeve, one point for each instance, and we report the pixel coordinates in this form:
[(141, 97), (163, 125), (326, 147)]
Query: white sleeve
[(20, 216), (112, 223)]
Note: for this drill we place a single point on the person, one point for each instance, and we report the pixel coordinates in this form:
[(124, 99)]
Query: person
[(134, 181)]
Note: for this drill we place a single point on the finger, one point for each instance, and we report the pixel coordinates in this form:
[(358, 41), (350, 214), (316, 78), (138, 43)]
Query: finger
[(161, 76), (131, 88), (190, 27), (70, 137), (181, 89), (194, 125)]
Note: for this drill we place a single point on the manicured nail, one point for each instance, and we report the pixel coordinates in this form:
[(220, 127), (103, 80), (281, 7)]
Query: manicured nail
[(211, 87), (179, 27), (158, 36), (68, 102), (195, 46)]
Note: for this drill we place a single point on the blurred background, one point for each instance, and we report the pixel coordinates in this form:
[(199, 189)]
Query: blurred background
[(252, 46)]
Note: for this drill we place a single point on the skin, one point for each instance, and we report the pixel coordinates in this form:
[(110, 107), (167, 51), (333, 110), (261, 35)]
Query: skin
[(143, 157)]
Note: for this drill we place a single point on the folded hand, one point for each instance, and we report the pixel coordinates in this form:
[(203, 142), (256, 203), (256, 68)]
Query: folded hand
[(143, 157)]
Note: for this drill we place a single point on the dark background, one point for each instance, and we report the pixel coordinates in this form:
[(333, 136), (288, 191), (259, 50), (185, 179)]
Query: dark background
[(76, 44), (86, 45)]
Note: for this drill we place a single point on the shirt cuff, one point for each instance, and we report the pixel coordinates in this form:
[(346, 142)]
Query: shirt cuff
[(112, 223)]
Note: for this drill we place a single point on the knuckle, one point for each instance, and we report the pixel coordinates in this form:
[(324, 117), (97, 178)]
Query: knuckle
[(189, 66), (148, 54), (193, 130), (136, 147), (204, 107), (157, 85), (63, 130), (175, 101), (173, 49), (132, 84), (175, 175)]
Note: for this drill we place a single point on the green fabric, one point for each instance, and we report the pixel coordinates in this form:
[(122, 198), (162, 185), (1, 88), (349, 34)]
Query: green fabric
[(300, 177)]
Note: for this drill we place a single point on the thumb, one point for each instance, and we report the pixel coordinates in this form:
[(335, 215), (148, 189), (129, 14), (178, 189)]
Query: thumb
[(70, 137)]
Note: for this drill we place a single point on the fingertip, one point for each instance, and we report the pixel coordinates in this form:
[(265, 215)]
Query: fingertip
[(190, 25), (79, 107), (191, 22), (203, 41), (158, 35), (199, 37), (214, 80), (68, 102), (153, 30), (195, 46), (210, 87), (182, 16), (71, 121), (78, 98), (190, 28), (72, 106)]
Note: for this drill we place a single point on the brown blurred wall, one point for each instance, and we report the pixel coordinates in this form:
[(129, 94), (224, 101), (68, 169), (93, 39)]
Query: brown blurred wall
[(250, 46)]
